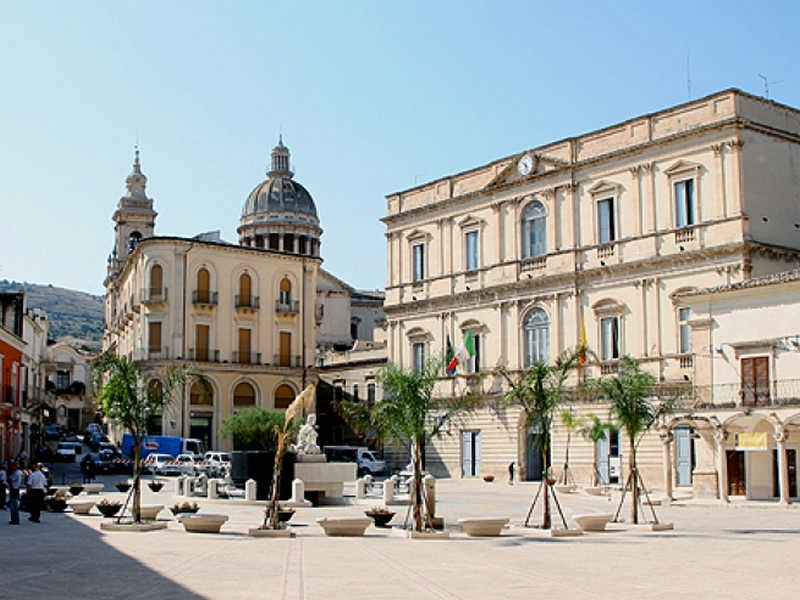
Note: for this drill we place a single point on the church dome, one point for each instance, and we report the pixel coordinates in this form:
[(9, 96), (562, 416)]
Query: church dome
[(279, 214), (279, 195)]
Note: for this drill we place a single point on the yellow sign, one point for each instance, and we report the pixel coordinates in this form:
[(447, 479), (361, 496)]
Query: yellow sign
[(751, 441)]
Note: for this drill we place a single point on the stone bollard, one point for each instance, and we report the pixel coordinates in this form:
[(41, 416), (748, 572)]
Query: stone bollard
[(212, 489), (250, 490), (388, 491), (298, 491), (179, 483), (429, 483), (361, 488)]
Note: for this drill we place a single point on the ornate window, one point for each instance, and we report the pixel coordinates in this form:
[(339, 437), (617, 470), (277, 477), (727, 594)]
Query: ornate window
[(684, 177), (684, 330), (471, 247), (609, 338), (200, 394), (284, 396), (418, 251), (244, 395), (536, 329), (534, 230), (606, 227), (285, 292)]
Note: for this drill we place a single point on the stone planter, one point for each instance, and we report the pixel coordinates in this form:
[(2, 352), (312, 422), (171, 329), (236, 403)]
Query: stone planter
[(205, 523), (123, 486), (344, 526), (271, 533), (594, 490), (184, 509), (57, 504), (488, 478), (150, 511), (93, 488), (109, 510), (155, 486), (81, 507), (285, 514), (381, 519), (483, 526), (75, 489), (593, 521)]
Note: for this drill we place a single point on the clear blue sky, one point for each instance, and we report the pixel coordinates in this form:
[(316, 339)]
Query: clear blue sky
[(371, 98)]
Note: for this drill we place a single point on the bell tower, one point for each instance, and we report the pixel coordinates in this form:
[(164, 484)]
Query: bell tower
[(134, 219)]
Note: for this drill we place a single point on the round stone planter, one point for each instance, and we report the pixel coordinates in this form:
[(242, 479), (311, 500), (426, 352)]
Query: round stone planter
[(75, 489), (81, 507), (123, 486), (155, 486), (150, 511), (93, 488), (184, 509), (344, 526), (109, 510), (285, 514), (483, 526), (381, 519), (205, 523)]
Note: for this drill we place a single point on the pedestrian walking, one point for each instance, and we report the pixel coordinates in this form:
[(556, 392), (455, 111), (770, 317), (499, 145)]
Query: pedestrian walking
[(14, 485), (3, 480), (37, 488), (511, 473)]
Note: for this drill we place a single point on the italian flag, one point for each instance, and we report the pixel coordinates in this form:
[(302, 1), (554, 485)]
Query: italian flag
[(465, 351)]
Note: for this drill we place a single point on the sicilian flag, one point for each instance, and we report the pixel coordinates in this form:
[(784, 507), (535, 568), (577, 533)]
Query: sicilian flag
[(449, 354), (582, 348), (465, 351)]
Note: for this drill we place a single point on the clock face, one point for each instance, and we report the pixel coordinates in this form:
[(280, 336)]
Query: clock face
[(525, 164)]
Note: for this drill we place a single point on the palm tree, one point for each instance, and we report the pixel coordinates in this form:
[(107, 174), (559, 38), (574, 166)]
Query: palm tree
[(572, 423), (125, 393), (632, 404), (539, 390), (594, 429), (409, 413)]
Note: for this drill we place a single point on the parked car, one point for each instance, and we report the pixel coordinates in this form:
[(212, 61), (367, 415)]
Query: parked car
[(93, 428), (368, 463), (156, 463), (65, 451), (52, 431), (76, 442), (94, 439), (216, 464), (185, 464), (99, 464)]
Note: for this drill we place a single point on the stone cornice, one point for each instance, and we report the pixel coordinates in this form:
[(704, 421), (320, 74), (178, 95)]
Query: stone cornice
[(547, 284)]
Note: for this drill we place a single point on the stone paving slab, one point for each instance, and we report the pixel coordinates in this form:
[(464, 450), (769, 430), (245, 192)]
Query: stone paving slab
[(714, 552)]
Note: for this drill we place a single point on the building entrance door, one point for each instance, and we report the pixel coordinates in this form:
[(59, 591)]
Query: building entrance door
[(470, 453), (533, 456), (791, 459), (683, 455), (200, 428), (737, 485)]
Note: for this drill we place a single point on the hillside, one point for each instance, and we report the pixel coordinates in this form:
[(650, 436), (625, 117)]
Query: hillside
[(71, 313)]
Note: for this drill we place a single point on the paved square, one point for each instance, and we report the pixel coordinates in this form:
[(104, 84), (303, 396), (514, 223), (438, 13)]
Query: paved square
[(714, 552)]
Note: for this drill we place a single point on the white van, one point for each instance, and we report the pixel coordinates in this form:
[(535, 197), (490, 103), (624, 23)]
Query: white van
[(365, 458)]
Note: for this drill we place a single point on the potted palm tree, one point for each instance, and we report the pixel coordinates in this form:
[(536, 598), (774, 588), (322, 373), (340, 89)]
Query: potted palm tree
[(539, 390), (410, 414), (634, 405)]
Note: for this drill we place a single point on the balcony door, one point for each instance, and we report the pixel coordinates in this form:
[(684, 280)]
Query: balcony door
[(286, 349), (755, 381), (202, 335)]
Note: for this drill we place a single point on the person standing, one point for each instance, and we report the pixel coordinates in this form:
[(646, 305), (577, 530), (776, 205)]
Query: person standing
[(14, 485), (511, 473), (3, 479), (37, 487)]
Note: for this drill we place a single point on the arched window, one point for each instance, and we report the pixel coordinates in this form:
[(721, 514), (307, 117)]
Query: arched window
[(536, 329), (156, 280), (285, 294), (534, 230), (245, 286), (284, 396), (244, 395), (133, 239), (154, 390), (199, 394), (203, 285)]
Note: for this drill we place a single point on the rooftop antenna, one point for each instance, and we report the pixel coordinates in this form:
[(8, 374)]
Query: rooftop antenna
[(688, 77), (767, 84)]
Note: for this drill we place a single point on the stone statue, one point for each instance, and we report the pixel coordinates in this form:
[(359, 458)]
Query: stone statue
[(307, 437)]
